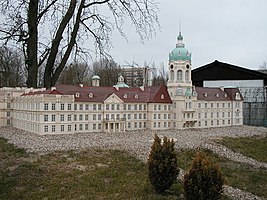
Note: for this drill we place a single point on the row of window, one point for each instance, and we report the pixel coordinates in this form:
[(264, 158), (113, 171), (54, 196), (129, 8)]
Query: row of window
[(162, 107), (162, 124), (218, 122), (165, 116)]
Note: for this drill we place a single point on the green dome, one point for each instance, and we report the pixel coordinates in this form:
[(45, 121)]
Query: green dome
[(179, 53)]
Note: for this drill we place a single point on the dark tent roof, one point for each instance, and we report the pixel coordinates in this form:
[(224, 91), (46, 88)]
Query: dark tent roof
[(224, 71)]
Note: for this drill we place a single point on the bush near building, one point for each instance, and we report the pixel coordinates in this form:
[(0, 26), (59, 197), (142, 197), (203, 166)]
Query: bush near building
[(204, 180), (162, 164)]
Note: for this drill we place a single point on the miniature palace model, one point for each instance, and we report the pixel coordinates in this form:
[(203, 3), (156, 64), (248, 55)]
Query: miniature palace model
[(69, 109)]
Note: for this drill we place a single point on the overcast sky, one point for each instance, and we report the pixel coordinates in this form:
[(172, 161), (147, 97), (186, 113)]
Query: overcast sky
[(232, 31)]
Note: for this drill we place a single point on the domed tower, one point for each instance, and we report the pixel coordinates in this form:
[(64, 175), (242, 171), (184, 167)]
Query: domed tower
[(180, 88), (179, 68), (95, 80)]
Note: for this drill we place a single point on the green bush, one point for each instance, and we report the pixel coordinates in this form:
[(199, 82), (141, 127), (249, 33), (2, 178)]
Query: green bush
[(162, 164), (204, 180)]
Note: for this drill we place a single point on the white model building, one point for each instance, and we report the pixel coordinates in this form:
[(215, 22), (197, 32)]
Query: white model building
[(71, 109)]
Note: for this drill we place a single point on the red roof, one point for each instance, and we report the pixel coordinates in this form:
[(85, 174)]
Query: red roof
[(152, 94), (217, 94)]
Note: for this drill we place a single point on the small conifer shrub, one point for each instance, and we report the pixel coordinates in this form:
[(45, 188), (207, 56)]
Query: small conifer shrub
[(162, 164), (204, 180)]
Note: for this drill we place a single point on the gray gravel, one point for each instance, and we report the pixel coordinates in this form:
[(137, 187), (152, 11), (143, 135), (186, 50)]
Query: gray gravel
[(138, 143)]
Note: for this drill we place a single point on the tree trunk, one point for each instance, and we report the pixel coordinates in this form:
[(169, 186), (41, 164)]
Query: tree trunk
[(49, 68), (31, 60)]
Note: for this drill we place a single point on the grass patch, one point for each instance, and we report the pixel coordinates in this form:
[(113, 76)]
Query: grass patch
[(254, 147), (101, 174), (91, 174), (237, 175)]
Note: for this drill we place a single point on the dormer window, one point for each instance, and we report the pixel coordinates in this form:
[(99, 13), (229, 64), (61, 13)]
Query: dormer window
[(125, 96), (237, 96), (162, 96), (225, 95), (217, 95), (136, 96), (205, 94), (90, 95), (77, 94)]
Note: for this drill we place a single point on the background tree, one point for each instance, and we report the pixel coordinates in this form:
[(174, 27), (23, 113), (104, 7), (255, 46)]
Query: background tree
[(47, 29), (74, 74), (108, 70), (11, 68), (160, 75), (162, 164), (204, 180)]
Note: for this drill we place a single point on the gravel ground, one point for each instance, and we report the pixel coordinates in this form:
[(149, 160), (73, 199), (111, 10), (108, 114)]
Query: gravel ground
[(138, 143)]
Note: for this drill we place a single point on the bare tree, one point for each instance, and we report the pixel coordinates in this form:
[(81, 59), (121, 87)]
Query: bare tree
[(76, 73), (108, 70), (47, 29), (160, 75), (11, 70)]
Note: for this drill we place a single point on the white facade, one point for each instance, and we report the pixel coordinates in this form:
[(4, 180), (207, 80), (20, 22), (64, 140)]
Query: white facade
[(73, 109)]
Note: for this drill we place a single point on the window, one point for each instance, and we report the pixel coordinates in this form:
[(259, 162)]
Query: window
[(223, 122), (107, 116), (199, 115), (94, 126), (94, 116), (158, 116), (80, 127), (62, 106), (237, 114), (75, 117), (140, 107), (69, 127), (53, 118), (206, 115), (223, 114), (99, 116), (69, 106), (229, 114), (155, 107), (129, 116), (144, 124), (229, 121), (75, 106), (62, 118), (107, 106), (218, 122), (8, 114), (223, 105), (129, 107), (86, 117), (206, 105), (129, 125), (165, 124), (135, 124), (86, 106), (53, 128), (159, 124), (140, 124), (155, 116), (144, 107), (81, 106), (8, 105), (80, 117), (135, 116), (46, 118), (155, 124), (99, 106), (140, 116), (179, 75), (211, 123), (62, 128), (69, 117), (211, 105), (46, 106), (53, 106), (159, 107), (206, 123), (94, 107), (99, 127), (187, 75), (118, 106), (46, 128), (218, 105), (172, 75), (112, 107), (218, 114), (199, 123), (135, 106), (211, 115), (165, 116), (118, 116), (229, 105), (86, 127)]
